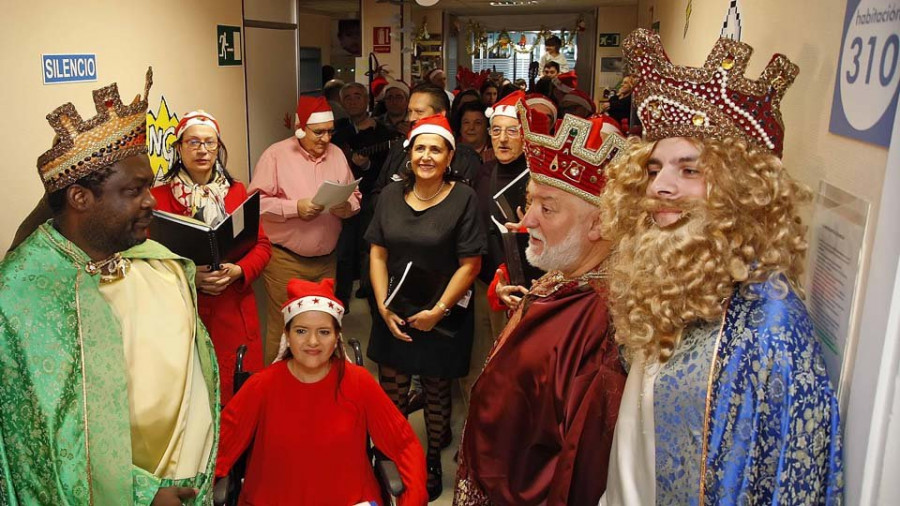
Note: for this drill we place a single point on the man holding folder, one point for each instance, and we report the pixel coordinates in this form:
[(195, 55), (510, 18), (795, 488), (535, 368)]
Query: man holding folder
[(304, 234)]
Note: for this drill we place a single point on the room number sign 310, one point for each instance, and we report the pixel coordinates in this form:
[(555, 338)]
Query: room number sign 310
[(869, 73)]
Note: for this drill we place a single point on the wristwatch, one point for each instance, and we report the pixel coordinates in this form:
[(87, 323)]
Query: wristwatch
[(443, 307)]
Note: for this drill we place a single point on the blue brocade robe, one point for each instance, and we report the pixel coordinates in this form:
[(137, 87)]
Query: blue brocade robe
[(771, 430), (773, 427)]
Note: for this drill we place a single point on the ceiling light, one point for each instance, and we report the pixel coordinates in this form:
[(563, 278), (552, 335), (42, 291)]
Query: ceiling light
[(514, 3)]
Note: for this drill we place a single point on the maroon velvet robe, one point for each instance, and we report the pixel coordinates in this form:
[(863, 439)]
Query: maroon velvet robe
[(543, 412)]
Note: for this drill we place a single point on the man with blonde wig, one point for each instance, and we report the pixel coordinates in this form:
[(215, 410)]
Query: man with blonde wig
[(727, 399), (543, 411)]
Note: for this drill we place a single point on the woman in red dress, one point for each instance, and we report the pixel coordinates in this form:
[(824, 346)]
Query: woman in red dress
[(309, 415), (198, 185)]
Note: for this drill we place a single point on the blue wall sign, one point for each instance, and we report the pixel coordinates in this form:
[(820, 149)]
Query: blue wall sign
[(68, 68), (865, 88)]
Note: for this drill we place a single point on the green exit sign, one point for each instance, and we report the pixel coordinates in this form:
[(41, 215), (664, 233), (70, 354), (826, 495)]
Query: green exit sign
[(228, 44)]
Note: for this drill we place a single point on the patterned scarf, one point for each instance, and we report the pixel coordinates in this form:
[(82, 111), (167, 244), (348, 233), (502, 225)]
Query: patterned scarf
[(205, 201)]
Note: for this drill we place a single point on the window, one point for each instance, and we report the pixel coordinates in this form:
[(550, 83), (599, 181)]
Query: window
[(512, 63)]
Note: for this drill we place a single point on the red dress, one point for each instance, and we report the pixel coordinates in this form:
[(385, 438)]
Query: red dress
[(230, 317), (309, 439)]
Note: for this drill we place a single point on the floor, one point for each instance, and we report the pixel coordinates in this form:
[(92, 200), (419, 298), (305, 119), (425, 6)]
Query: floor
[(357, 325)]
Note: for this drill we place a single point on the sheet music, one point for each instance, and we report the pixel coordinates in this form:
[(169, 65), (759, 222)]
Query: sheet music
[(332, 194)]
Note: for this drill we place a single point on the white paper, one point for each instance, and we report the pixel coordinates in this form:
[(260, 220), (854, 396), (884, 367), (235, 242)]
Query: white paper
[(237, 222), (333, 194), (399, 284)]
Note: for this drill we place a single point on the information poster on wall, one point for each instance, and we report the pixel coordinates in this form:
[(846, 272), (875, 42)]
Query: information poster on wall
[(838, 231), (865, 89)]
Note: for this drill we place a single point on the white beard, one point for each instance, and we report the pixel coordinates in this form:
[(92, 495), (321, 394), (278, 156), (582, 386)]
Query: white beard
[(561, 257)]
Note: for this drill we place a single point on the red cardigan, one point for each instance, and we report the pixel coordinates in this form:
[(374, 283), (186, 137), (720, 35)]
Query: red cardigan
[(231, 317), (309, 439)]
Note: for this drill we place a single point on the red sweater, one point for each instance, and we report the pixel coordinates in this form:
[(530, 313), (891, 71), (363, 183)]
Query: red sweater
[(310, 447), (231, 317)]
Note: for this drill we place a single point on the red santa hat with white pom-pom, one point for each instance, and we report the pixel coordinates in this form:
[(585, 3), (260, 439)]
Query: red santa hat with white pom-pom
[(436, 124), (311, 110)]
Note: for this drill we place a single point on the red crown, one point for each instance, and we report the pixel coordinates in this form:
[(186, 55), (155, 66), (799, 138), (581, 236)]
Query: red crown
[(467, 79), (714, 100), (575, 159)]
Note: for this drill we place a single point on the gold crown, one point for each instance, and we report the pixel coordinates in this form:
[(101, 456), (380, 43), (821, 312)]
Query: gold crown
[(714, 100), (82, 147)]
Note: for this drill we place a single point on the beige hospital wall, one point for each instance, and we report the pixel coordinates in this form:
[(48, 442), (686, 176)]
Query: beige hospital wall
[(620, 19), (177, 38), (315, 31)]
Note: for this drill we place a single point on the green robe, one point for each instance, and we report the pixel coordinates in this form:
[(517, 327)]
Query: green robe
[(65, 434)]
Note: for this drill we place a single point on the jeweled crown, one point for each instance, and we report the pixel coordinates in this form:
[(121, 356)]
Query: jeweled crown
[(575, 159), (118, 131), (714, 100)]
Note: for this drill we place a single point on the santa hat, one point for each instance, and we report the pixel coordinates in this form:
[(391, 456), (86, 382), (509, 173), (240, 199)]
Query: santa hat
[(566, 82), (306, 296), (609, 124), (575, 158), (311, 110), (198, 117), (579, 98), (435, 124), (533, 99), (398, 85), (377, 86), (432, 73), (506, 106)]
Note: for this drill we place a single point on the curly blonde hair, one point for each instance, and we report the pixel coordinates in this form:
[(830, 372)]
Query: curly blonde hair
[(747, 231)]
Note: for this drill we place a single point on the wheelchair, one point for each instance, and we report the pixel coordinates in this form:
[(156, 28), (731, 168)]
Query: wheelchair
[(227, 490)]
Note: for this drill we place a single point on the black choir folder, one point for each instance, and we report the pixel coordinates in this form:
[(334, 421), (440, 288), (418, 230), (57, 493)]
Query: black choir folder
[(521, 272), (417, 290), (512, 196), (191, 238)]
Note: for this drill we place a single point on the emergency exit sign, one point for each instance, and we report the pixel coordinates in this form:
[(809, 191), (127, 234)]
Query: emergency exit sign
[(228, 43)]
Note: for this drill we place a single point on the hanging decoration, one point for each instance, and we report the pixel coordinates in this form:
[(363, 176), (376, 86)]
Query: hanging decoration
[(477, 38)]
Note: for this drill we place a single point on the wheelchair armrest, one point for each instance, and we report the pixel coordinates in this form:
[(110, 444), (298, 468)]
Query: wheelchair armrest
[(389, 476), (357, 351), (220, 491)]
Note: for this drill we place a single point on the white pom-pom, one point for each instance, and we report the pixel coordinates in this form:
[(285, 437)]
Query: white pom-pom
[(300, 133)]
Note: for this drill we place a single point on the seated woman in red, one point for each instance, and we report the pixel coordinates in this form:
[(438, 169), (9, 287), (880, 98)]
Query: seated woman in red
[(309, 414), (198, 185)]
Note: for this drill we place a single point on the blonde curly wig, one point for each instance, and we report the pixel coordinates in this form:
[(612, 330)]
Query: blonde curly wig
[(747, 231)]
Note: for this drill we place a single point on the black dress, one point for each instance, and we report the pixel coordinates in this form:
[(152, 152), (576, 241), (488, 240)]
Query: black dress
[(434, 239)]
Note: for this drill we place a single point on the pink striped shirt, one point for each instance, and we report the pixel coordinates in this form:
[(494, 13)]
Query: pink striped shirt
[(285, 174)]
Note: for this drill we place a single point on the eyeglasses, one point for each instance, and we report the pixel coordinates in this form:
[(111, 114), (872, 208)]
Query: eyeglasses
[(511, 132), (194, 145), (321, 133)]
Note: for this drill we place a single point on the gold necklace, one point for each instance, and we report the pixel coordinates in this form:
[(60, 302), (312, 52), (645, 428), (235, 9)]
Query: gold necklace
[(431, 197), (110, 269)]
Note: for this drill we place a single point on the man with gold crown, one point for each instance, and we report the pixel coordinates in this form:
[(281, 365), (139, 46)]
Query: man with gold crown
[(727, 399), (542, 413), (109, 389)]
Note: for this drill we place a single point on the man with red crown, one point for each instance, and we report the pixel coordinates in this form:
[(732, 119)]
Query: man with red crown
[(727, 399), (304, 234), (542, 413)]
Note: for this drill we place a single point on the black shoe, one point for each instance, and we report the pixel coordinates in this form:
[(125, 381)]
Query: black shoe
[(435, 483), (415, 400)]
